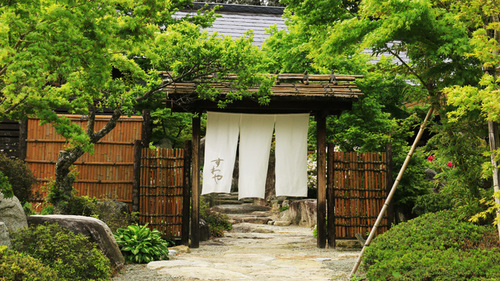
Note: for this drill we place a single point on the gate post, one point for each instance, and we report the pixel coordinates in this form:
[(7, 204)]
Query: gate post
[(185, 193), (137, 176), (195, 207), (321, 158)]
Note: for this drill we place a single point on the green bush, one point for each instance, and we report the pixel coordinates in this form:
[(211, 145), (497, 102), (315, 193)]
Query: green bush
[(19, 176), (18, 266), (79, 206), (435, 246), (110, 213), (71, 255), (139, 244), (217, 222), (432, 202)]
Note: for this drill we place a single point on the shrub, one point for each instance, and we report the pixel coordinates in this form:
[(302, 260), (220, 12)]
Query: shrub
[(217, 222), (139, 244), (18, 266), (432, 202), (435, 246), (115, 215), (19, 176), (78, 205), (71, 255)]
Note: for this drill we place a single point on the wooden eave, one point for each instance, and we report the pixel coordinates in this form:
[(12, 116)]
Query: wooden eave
[(292, 93)]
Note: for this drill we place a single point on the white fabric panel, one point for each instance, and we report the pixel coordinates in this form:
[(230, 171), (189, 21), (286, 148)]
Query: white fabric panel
[(221, 142), (256, 132), (291, 154)]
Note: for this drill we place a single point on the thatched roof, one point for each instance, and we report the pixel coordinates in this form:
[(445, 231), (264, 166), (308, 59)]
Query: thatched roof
[(292, 93)]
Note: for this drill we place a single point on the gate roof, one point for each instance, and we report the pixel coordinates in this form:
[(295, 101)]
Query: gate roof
[(292, 93)]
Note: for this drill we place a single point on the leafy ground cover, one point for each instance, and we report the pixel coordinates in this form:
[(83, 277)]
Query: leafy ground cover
[(434, 246)]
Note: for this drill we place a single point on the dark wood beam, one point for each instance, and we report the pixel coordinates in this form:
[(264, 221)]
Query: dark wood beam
[(195, 192), (321, 146), (186, 189)]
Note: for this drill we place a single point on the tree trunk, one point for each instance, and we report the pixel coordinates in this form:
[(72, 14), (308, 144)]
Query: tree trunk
[(62, 190)]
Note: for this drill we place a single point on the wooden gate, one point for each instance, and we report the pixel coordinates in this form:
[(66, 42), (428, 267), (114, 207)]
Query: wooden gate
[(358, 185), (164, 191)]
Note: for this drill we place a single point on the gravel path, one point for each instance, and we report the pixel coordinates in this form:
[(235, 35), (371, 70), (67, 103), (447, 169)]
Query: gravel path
[(251, 252)]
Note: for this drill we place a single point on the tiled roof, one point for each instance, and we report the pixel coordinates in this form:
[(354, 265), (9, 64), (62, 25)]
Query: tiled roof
[(235, 20)]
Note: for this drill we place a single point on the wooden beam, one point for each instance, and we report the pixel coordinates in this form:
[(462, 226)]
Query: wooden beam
[(195, 192), (185, 193), (321, 158)]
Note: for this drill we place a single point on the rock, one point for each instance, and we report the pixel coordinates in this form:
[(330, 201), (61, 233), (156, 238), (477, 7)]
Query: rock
[(114, 213), (95, 229), (4, 235), (282, 223), (250, 228), (181, 249), (204, 230), (257, 219), (113, 206), (301, 212), (12, 213), (347, 245)]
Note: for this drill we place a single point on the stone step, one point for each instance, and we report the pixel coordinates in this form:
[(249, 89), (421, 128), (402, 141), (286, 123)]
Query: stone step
[(248, 218), (233, 202), (240, 209)]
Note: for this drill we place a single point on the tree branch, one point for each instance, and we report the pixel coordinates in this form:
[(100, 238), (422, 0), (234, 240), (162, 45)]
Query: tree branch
[(117, 113), (406, 65), (91, 122)]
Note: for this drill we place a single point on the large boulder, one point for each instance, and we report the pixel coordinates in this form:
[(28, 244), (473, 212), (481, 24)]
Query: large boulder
[(95, 229), (12, 213), (301, 212), (4, 235)]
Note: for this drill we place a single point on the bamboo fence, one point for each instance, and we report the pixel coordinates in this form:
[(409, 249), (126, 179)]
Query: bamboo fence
[(105, 174), (161, 190), (359, 186)]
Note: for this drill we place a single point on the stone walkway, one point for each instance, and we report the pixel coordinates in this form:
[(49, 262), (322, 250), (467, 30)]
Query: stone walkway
[(258, 252)]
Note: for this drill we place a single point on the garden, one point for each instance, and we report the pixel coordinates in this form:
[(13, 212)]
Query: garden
[(416, 56)]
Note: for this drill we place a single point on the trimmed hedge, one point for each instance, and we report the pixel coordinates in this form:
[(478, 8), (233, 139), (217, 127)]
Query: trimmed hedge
[(18, 266), (435, 246), (73, 256)]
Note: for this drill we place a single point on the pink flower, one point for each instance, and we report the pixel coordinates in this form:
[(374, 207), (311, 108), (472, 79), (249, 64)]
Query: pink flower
[(430, 158), (449, 164)]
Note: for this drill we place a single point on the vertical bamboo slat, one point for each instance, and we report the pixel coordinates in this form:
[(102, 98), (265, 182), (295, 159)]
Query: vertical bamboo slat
[(359, 186)]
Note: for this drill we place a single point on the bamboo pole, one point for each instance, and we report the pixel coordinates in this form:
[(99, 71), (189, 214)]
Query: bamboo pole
[(494, 145), (393, 190)]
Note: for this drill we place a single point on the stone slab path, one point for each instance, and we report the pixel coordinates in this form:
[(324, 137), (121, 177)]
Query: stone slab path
[(258, 252)]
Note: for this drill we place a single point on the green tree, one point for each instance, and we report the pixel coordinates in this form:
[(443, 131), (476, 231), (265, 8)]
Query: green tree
[(85, 57), (428, 43)]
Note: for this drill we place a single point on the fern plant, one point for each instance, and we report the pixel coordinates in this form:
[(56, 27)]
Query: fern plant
[(139, 244)]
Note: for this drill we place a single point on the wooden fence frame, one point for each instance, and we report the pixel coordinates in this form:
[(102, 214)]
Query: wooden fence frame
[(162, 188), (369, 195), (44, 142)]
